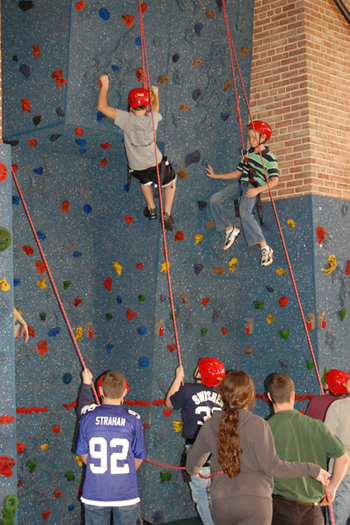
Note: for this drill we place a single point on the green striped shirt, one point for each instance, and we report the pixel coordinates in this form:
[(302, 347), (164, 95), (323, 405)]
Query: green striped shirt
[(253, 160)]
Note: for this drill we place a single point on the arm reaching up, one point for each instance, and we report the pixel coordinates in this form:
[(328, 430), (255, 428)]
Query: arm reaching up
[(102, 104)]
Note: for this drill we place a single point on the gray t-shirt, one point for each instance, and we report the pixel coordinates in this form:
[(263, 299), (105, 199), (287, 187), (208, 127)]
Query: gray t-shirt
[(138, 138)]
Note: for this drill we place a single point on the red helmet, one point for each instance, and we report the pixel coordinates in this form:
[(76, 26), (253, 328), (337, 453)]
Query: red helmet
[(336, 380), (261, 127), (138, 97), (212, 371)]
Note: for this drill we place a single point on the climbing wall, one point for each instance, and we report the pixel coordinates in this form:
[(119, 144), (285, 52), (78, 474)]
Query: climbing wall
[(108, 261)]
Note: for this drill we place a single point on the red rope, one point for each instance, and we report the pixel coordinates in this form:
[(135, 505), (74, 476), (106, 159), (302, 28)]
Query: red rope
[(272, 200), (330, 503), (52, 280), (164, 465), (144, 54)]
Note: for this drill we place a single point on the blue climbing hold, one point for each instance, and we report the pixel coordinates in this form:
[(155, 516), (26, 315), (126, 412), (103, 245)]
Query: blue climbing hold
[(100, 116), (67, 378), (192, 158), (198, 28), (138, 41), (25, 70), (126, 188), (71, 508), (104, 13), (80, 142), (142, 330), (16, 282), (77, 254), (54, 332), (15, 200), (41, 235), (115, 68), (82, 151), (144, 362), (39, 170), (109, 348), (87, 208), (119, 299)]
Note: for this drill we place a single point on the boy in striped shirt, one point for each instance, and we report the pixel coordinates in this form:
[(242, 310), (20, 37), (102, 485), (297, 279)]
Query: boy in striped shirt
[(248, 180)]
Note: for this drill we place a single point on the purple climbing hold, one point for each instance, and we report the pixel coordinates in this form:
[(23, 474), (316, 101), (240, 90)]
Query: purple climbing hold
[(193, 157), (198, 268), (176, 58), (162, 298), (198, 28), (224, 116), (202, 205), (54, 137), (219, 4), (266, 226), (284, 365), (25, 70), (60, 112), (269, 288), (216, 314), (196, 94)]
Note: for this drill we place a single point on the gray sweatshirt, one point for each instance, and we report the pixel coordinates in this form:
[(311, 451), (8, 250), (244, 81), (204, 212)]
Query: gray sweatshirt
[(259, 460)]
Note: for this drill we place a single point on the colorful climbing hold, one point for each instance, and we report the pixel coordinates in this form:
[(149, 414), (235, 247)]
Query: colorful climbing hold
[(20, 448), (118, 267), (217, 270), (87, 209), (291, 224), (321, 234), (65, 207), (77, 301), (5, 238), (198, 268), (42, 283), (210, 14), (78, 333), (310, 364), (269, 288), (56, 429), (182, 174), (40, 266), (332, 264), (109, 317), (109, 348), (203, 331), (270, 319), (232, 264), (284, 334), (163, 79), (130, 314), (259, 305), (44, 446), (171, 348), (141, 298), (184, 298), (178, 425), (347, 269), (165, 477), (227, 85), (54, 332), (108, 284), (80, 5), (224, 330), (165, 266), (4, 285), (31, 465), (205, 301), (128, 20), (144, 362), (67, 378), (281, 272), (179, 236), (42, 348), (192, 158), (128, 219), (184, 108), (57, 494), (77, 254), (43, 316), (139, 266), (70, 476), (25, 105), (283, 301), (66, 284), (342, 313), (198, 237), (197, 62)]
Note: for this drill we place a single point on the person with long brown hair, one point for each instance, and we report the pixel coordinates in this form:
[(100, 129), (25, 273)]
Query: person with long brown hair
[(243, 450)]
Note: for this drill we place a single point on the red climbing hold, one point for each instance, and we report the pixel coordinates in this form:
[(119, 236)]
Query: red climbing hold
[(31, 331), (65, 207), (167, 412), (26, 105), (139, 266), (79, 131), (224, 330), (179, 236), (283, 301), (58, 75), (321, 234), (130, 314), (108, 284), (128, 219), (6, 464), (104, 162), (161, 331), (33, 143), (347, 269), (3, 171), (40, 266), (28, 250), (105, 145), (205, 301), (15, 167), (144, 8), (57, 494), (46, 514), (77, 301), (91, 333), (79, 6), (36, 51), (145, 425), (128, 20), (42, 347), (139, 74), (56, 429), (20, 448), (171, 348)]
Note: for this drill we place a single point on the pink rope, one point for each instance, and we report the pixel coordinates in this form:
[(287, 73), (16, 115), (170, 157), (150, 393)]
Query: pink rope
[(272, 201), (52, 281)]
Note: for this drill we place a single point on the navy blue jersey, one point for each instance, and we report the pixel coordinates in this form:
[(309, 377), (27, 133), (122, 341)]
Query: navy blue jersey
[(112, 436), (197, 402)]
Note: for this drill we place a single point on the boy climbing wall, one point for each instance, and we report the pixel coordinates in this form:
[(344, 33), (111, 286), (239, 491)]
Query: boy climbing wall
[(139, 146), (248, 181)]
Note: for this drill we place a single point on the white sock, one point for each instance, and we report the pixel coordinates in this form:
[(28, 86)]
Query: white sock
[(265, 248)]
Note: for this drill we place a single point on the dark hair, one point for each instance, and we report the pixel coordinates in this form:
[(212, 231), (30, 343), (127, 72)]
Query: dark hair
[(113, 384), (237, 391), (280, 387)]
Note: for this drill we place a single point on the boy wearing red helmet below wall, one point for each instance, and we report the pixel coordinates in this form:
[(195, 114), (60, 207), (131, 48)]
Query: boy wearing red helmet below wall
[(334, 387), (197, 402), (248, 180), (139, 146)]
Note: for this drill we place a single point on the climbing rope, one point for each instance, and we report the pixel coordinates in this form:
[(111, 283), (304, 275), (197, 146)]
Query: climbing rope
[(330, 503), (52, 281), (148, 87), (233, 52), (164, 465)]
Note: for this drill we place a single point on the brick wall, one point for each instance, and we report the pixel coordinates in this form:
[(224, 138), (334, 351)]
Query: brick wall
[(300, 84)]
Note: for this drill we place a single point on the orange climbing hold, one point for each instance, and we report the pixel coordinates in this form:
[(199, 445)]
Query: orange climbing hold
[(33, 143), (130, 314), (321, 234), (20, 448), (79, 131), (58, 75), (128, 219), (104, 162), (57, 494), (26, 105), (56, 429), (65, 207), (42, 347), (128, 20), (40, 266), (105, 145), (36, 51)]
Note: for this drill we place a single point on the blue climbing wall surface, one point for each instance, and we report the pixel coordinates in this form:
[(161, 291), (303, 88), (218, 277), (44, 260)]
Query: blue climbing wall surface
[(108, 261), (8, 468)]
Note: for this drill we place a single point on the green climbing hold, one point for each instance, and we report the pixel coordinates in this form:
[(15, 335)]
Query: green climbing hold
[(342, 313), (66, 284), (323, 379), (284, 334), (141, 298), (109, 317), (258, 305), (165, 477), (43, 316), (70, 475), (31, 464), (171, 315), (5, 238), (204, 331), (9, 510), (310, 364)]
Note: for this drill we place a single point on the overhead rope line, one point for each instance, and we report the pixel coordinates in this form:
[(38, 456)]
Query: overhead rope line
[(233, 52)]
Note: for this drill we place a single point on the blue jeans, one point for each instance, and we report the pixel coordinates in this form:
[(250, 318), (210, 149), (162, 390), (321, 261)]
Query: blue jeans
[(341, 504), (201, 496), (220, 200), (102, 515)]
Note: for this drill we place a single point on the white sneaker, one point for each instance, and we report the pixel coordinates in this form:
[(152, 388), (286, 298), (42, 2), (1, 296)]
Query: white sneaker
[(266, 256), (230, 237)]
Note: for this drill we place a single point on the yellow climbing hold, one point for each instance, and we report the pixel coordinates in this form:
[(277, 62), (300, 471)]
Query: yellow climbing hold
[(197, 62), (42, 283), (210, 14), (232, 264), (270, 319), (79, 461), (178, 425), (4, 285), (280, 271), (198, 237), (118, 267), (45, 446), (332, 264), (78, 333), (291, 223), (164, 267)]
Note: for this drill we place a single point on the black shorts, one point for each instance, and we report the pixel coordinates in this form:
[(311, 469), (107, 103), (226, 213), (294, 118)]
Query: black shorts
[(149, 176)]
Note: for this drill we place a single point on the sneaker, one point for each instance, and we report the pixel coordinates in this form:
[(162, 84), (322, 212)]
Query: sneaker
[(266, 256), (230, 238), (150, 214), (168, 222)]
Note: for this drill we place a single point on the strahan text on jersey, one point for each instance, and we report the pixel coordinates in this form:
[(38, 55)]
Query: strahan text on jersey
[(112, 436), (197, 402)]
